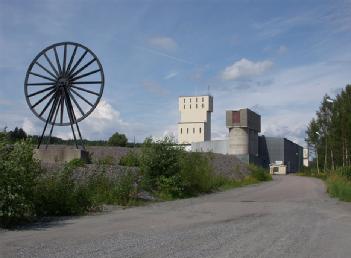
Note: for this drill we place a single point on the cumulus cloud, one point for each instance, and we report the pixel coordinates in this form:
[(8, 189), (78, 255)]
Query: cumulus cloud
[(245, 68), (104, 117), (28, 126), (165, 43)]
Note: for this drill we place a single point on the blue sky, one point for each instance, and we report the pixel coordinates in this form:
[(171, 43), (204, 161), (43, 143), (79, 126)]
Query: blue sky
[(276, 57)]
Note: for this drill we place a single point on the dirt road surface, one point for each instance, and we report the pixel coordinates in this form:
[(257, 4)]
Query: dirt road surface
[(289, 217)]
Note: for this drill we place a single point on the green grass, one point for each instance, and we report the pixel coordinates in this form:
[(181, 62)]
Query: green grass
[(338, 181), (339, 187)]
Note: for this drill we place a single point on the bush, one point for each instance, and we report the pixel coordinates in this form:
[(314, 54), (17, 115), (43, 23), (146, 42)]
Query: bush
[(259, 173), (118, 139), (130, 160), (19, 173), (59, 195), (196, 173), (125, 190), (159, 158), (107, 160), (339, 187)]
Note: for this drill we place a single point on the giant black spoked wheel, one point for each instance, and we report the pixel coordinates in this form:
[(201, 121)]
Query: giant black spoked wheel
[(64, 84)]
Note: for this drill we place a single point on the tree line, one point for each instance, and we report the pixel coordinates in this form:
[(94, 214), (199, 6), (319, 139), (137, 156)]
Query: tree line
[(329, 133), (18, 134)]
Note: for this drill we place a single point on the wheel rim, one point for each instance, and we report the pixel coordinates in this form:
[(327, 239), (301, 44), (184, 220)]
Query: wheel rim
[(64, 75)]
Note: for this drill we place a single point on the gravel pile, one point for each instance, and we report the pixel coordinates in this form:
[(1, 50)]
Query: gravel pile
[(228, 166)]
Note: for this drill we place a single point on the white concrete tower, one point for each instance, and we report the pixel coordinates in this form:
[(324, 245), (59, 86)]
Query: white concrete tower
[(195, 119)]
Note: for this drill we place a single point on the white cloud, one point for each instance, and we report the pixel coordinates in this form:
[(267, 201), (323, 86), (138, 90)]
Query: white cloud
[(104, 117), (245, 68), (171, 75), (288, 102), (29, 127), (165, 43)]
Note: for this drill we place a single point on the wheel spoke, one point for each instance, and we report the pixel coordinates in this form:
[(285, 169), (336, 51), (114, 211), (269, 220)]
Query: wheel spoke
[(47, 105), (78, 62), (82, 89), (41, 91), (51, 65), (43, 98), (71, 59), (75, 121), (62, 108), (42, 76), (83, 67), (87, 101), (64, 59), (76, 102), (57, 61), (89, 82), (40, 83), (46, 70), (53, 121), (86, 74), (70, 117)]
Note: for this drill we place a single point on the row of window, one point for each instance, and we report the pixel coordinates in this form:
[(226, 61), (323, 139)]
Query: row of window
[(187, 130), (196, 106), (203, 99)]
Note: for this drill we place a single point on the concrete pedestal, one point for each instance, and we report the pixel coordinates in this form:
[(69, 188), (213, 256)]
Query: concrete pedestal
[(60, 154)]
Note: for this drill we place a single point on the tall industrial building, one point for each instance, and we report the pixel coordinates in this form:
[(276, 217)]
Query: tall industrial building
[(195, 119), (244, 126)]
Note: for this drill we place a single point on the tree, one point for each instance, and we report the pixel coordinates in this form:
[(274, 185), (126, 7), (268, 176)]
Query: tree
[(118, 139), (17, 134), (330, 131)]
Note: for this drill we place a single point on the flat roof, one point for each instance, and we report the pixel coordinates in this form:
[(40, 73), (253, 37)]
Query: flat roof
[(196, 96)]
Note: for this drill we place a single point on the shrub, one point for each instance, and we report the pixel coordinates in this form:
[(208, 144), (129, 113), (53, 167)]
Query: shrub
[(18, 175), (159, 158), (196, 173), (125, 189), (339, 187), (118, 139), (107, 160), (170, 187), (259, 173), (130, 160), (59, 195)]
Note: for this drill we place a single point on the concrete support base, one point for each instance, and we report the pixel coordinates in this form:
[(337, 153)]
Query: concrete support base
[(60, 154)]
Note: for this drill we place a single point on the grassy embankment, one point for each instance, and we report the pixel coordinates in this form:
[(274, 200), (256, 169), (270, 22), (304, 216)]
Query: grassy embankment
[(338, 181)]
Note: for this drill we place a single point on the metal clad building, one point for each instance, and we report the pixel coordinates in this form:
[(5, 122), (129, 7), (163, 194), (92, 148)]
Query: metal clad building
[(274, 149)]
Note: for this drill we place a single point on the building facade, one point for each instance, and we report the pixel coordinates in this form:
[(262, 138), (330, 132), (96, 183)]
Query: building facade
[(276, 150), (244, 126), (195, 118)]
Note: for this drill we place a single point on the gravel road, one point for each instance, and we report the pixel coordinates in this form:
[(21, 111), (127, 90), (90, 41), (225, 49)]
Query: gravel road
[(289, 217)]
